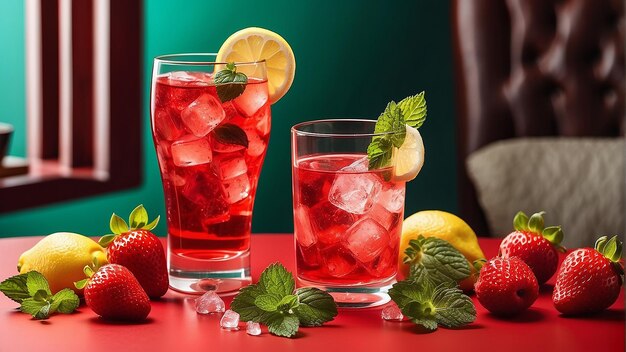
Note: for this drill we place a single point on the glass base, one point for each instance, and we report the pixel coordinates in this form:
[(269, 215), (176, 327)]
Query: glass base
[(198, 276), (355, 296)]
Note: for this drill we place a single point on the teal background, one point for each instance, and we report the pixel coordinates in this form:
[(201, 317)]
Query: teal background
[(352, 58)]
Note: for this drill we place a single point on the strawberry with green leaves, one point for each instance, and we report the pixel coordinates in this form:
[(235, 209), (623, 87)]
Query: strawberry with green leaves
[(589, 279), (139, 250), (535, 245), (114, 293)]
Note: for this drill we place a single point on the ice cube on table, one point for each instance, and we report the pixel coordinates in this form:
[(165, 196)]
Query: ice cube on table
[(393, 198), (210, 302), (302, 227), (254, 97), (392, 312), (253, 328), (232, 166), (191, 151), (353, 190), (366, 239), (236, 188), (230, 320), (203, 115), (166, 124), (338, 262)]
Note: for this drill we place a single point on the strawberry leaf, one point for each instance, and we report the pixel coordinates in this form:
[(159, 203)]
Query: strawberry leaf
[(118, 225), (520, 222), (535, 223), (138, 217), (153, 224), (105, 240), (554, 234)]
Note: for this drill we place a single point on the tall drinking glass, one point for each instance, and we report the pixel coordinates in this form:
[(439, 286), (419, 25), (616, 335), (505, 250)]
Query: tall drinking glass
[(347, 219), (210, 150)]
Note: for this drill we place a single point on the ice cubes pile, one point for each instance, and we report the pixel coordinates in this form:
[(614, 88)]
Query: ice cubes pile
[(218, 171), (350, 229)]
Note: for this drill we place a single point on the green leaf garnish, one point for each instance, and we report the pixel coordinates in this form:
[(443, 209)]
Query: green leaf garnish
[(15, 288), (435, 261), (414, 109), (229, 83), (229, 133), (535, 224), (138, 220), (430, 306), (316, 307), (272, 302), (32, 291), (410, 111)]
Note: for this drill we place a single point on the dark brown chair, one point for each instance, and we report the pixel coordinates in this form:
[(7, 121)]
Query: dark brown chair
[(528, 68)]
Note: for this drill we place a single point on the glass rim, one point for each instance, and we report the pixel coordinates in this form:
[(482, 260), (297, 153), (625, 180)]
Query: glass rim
[(296, 129), (170, 59)]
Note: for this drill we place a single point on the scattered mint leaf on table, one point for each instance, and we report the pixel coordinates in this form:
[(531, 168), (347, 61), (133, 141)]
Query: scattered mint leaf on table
[(410, 111), (273, 302), (430, 295), (32, 291), (229, 83)]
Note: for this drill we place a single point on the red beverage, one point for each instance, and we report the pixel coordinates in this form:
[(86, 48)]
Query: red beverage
[(348, 220), (209, 176)]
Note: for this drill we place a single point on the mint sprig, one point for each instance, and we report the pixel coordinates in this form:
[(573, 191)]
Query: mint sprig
[(409, 111), (430, 295), (229, 83), (273, 302), (32, 292)]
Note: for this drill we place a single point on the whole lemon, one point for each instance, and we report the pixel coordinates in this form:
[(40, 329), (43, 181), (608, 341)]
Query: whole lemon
[(448, 227), (61, 257)]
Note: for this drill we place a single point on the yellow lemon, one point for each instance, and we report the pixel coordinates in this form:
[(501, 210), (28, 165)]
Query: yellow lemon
[(448, 227), (409, 158), (61, 257), (255, 44)]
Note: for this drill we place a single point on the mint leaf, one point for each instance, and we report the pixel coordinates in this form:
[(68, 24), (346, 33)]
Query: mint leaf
[(229, 133), (287, 304), (38, 309), (138, 217), (244, 304), (268, 302), (436, 261), (414, 109), (316, 306), (36, 282), (117, 224), (229, 83), (379, 153), (277, 280), (452, 307), (64, 301), (15, 288), (282, 325)]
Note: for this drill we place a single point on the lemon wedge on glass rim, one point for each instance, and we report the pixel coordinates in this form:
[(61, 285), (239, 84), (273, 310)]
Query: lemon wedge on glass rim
[(255, 44), (409, 158)]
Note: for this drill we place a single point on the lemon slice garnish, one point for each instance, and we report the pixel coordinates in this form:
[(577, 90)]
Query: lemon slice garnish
[(254, 44), (409, 158)]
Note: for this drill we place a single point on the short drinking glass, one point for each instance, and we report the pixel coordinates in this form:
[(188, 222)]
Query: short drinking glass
[(210, 145), (347, 219)]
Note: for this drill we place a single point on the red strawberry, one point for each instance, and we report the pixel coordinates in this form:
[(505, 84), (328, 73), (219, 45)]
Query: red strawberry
[(114, 293), (535, 245), (589, 280), (139, 250), (506, 286)]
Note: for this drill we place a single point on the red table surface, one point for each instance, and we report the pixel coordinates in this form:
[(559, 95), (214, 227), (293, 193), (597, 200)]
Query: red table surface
[(173, 323)]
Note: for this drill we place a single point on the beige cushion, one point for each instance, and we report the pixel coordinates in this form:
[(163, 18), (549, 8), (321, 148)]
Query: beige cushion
[(579, 182)]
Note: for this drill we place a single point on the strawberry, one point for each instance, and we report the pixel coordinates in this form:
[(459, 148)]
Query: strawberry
[(589, 279), (114, 293), (535, 245), (506, 286), (139, 250)]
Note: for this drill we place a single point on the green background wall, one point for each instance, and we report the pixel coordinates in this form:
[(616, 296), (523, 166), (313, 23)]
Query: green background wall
[(352, 58)]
